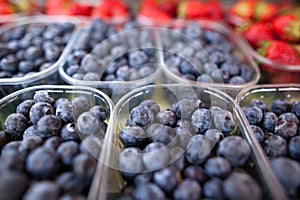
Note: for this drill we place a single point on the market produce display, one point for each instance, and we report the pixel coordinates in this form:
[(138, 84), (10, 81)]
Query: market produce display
[(49, 148)]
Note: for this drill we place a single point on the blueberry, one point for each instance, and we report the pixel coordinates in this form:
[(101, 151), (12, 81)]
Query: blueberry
[(165, 135), (42, 190), (91, 145), (60, 100), (194, 172), (296, 108), (258, 103), (38, 110), (144, 178), (4, 138), (166, 178), (231, 67), (130, 160), (25, 107), (99, 111), (69, 132), (12, 160), (201, 120), (146, 71), (13, 184), (235, 150), (9, 63), (80, 104), (52, 143), (27, 66), (42, 163), (237, 80), (10, 146), (258, 133), (29, 144), (212, 189), (133, 136), (280, 106), (288, 173), (269, 121), (76, 57), (152, 105), (240, 185), (166, 117), (78, 76), (15, 124), (155, 156), (5, 74), (69, 182), (224, 121), (49, 125), (218, 57), (204, 78), (67, 151), (294, 147), (84, 166), (275, 146), (88, 124), (289, 117), (253, 114), (186, 107), (184, 124), (137, 58), (30, 132), (148, 192), (187, 190), (91, 63), (199, 149), (64, 111), (72, 196), (141, 116), (33, 52), (193, 30), (217, 167), (183, 137), (247, 72), (177, 157), (286, 129), (214, 135)]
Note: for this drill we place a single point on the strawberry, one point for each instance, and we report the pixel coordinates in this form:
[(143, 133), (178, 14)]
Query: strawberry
[(264, 11), (58, 7), (80, 9), (113, 9), (280, 52), (257, 32), (154, 15), (5, 8), (287, 28), (241, 12), (214, 10), (191, 9), (168, 6)]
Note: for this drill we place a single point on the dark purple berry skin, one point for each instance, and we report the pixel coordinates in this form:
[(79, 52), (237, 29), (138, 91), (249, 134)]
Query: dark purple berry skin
[(212, 189), (64, 111), (294, 147), (67, 151), (258, 133), (280, 106), (275, 146), (91, 145), (29, 144), (130, 160), (38, 110), (42, 163), (148, 192), (155, 156), (100, 112), (12, 160), (53, 143), (296, 108), (217, 167), (165, 135), (194, 172), (15, 124), (141, 116), (133, 136), (286, 129), (224, 121), (69, 132), (254, 114), (235, 150), (84, 166), (258, 103), (186, 107), (49, 125), (69, 182), (289, 117), (166, 117), (42, 190), (43, 96), (201, 120), (166, 178), (25, 107), (269, 121), (188, 189), (199, 149), (4, 138), (154, 107)]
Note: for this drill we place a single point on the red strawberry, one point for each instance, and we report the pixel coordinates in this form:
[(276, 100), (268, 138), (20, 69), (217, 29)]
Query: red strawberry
[(58, 7), (168, 6), (280, 52), (191, 9), (241, 12), (5, 8), (154, 14), (80, 9), (110, 9), (256, 33), (287, 28), (264, 11), (213, 9)]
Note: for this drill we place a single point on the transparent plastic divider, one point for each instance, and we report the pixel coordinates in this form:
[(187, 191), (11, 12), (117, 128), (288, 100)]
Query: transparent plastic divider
[(110, 182)]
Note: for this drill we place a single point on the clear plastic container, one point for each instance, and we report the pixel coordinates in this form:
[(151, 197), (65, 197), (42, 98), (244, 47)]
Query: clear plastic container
[(238, 51), (46, 76), (273, 72), (116, 88), (9, 103), (268, 93), (110, 183)]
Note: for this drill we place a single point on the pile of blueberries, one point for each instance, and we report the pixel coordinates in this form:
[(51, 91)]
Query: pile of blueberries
[(277, 129), (102, 54), (28, 49), (187, 151), (203, 55), (45, 154)]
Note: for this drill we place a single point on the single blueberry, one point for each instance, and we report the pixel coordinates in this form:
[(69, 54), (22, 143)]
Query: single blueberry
[(217, 167), (275, 146), (286, 129), (43, 96), (254, 115), (166, 178), (29, 144), (80, 104), (130, 160), (64, 111), (155, 156), (144, 178), (204, 78), (99, 111), (15, 124), (199, 149), (88, 124), (269, 121), (289, 117), (9, 63), (30, 132), (280, 106), (27, 66), (52, 143), (42, 190), (33, 52), (91, 145), (201, 120), (237, 80), (186, 107), (133, 136), (212, 189), (84, 166), (12, 160), (294, 147), (235, 150), (148, 192), (49, 125), (167, 117), (38, 110), (183, 137), (141, 116), (69, 182), (296, 108), (258, 133), (188, 189), (224, 121), (137, 58), (194, 172), (165, 135), (152, 105), (67, 151), (258, 103)]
